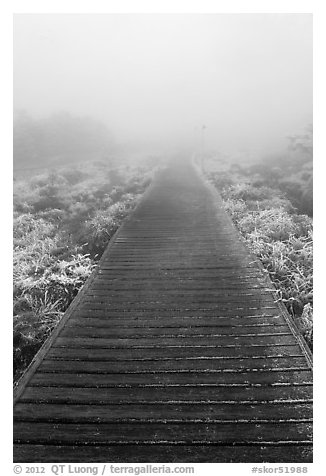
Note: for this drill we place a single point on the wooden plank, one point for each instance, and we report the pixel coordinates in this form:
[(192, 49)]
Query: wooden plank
[(183, 274), (165, 301), (255, 277), (187, 267), (173, 379), (185, 321), (238, 312), (105, 281), (93, 342), (140, 273), (142, 433), (194, 295), (152, 307), (44, 412), (121, 284), (130, 254), (197, 260), (174, 332), (161, 394), (206, 365), (298, 453), (168, 354)]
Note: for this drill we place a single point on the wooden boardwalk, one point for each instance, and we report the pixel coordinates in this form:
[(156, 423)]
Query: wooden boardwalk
[(174, 351)]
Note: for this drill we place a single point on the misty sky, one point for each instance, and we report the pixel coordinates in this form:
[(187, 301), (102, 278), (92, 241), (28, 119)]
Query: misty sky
[(247, 77)]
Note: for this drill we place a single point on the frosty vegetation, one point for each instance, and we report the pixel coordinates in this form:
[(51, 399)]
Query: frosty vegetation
[(270, 202)]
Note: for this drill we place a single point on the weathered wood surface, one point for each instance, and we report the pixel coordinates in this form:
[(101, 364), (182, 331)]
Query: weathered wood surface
[(176, 349)]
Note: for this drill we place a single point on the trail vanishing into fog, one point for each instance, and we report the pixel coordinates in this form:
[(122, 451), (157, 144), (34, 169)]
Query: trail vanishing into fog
[(176, 349)]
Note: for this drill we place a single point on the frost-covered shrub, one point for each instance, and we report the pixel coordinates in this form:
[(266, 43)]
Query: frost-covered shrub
[(63, 222), (280, 237)]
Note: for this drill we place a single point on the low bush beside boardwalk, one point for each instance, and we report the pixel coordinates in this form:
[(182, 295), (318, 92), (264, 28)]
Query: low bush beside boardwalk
[(63, 221), (277, 229)]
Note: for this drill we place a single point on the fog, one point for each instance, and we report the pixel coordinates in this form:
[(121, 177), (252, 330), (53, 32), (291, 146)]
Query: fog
[(155, 80)]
